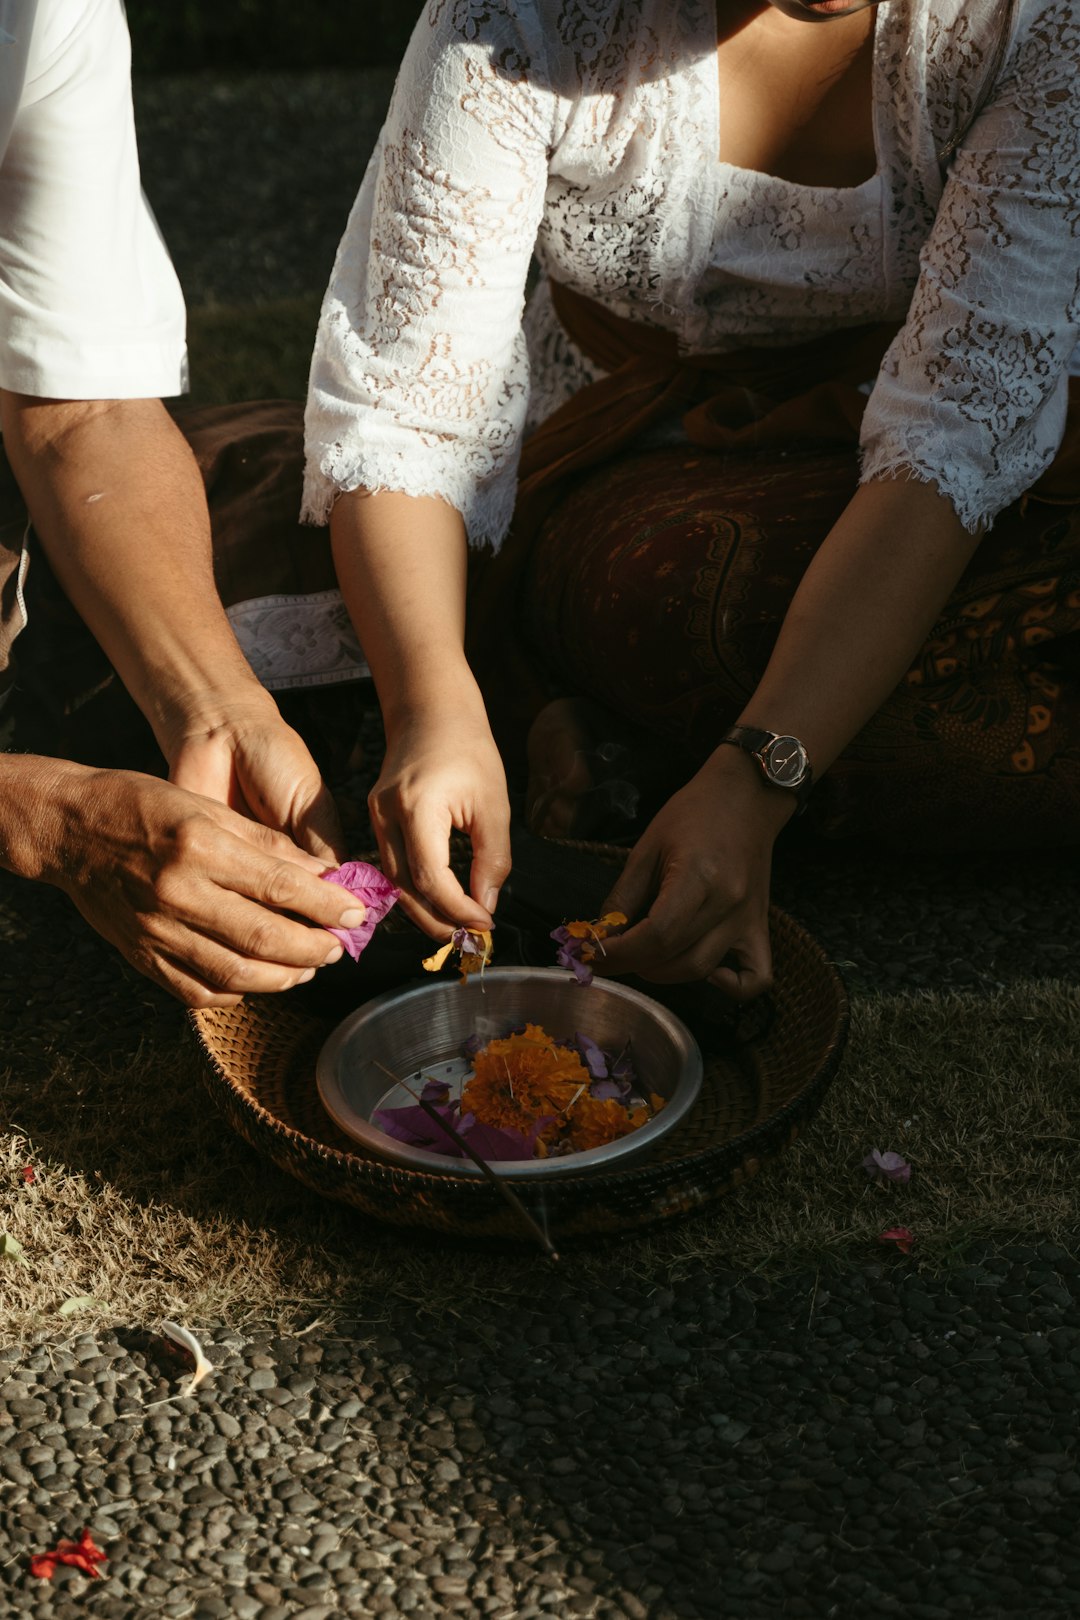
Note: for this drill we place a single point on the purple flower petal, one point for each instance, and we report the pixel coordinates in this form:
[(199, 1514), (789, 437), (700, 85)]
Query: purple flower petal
[(375, 892), (595, 1057), (493, 1143), (889, 1166), (436, 1091), (582, 972), (414, 1126), (471, 1045), (611, 1091), (569, 954)]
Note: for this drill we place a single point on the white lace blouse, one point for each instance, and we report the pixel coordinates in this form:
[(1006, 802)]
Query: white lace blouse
[(587, 131)]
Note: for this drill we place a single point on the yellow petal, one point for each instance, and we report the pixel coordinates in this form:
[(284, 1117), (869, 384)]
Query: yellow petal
[(434, 963)]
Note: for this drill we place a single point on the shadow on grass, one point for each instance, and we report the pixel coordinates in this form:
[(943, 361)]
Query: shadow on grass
[(143, 1199)]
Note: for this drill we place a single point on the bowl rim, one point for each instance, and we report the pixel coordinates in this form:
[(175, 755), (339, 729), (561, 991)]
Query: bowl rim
[(611, 1155)]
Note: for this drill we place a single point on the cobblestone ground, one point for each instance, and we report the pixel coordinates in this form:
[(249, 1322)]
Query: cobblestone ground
[(722, 1446)]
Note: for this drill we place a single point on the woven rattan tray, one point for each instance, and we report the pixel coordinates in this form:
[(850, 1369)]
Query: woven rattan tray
[(766, 1068)]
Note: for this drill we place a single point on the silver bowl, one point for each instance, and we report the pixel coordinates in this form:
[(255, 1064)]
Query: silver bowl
[(420, 1031)]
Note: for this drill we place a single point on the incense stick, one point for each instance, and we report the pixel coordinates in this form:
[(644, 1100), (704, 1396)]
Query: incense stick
[(481, 1164)]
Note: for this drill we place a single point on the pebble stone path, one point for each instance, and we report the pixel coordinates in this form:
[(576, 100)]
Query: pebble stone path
[(880, 1443)]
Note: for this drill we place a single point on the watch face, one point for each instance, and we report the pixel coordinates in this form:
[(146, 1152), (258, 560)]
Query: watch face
[(785, 762)]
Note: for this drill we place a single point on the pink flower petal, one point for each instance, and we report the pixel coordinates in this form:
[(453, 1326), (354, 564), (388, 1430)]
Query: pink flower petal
[(898, 1235), (889, 1166), (367, 884)]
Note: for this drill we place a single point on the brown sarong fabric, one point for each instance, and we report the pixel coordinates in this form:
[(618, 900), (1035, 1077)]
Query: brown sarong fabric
[(745, 403), (658, 588)]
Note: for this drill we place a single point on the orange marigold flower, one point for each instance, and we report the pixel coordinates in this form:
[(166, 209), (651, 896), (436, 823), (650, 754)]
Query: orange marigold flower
[(521, 1078), (593, 1123)]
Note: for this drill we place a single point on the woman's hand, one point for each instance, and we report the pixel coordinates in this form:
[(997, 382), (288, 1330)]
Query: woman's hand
[(443, 771), (239, 751), (203, 901), (700, 873)]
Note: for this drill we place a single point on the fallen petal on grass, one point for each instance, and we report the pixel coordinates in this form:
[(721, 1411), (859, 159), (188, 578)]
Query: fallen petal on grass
[(898, 1235), (187, 1341), (887, 1166), (12, 1249)]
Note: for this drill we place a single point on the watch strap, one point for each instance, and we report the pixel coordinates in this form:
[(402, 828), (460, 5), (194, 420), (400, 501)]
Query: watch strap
[(754, 740)]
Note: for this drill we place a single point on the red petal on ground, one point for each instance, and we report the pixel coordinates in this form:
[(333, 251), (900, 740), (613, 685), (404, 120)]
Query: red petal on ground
[(81, 1554), (898, 1235), (28, 1173)]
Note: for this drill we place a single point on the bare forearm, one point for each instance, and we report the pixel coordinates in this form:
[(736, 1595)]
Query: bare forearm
[(401, 561), (864, 608), (118, 503)]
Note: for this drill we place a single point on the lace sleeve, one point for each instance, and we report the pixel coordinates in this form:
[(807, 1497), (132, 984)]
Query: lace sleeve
[(419, 377), (972, 393)]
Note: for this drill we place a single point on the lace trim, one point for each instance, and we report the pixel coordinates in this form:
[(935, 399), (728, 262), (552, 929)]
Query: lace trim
[(968, 502), (294, 641), (486, 509)]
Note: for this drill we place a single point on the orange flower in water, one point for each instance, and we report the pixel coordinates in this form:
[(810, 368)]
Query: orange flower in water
[(593, 1123), (528, 1077), (522, 1078)]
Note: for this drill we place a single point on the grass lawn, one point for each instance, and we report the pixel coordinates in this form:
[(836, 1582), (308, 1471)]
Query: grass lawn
[(258, 352), (144, 1202)]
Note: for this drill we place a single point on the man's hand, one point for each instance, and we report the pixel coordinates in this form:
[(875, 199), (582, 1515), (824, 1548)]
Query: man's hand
[(242, 754), (205, 902), (119, 506)]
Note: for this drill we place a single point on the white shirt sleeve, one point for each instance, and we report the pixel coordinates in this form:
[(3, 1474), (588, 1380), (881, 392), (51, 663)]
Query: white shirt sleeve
[(90, 307), (419, 378), (973, 392)]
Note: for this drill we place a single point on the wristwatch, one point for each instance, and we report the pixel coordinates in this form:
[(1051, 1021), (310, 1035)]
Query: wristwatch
[(782, 760)]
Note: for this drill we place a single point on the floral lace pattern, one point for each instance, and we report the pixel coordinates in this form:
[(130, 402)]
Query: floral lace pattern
[(293, 641), (588, 131)]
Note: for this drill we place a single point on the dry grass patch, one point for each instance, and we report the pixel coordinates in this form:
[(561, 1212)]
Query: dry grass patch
[(144, 1201)]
